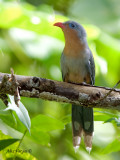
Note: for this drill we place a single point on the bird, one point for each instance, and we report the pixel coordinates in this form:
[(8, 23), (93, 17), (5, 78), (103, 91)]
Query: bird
[(77, 66)]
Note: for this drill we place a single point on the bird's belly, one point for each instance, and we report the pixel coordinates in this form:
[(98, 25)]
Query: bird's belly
[(75, 78), (77, 71)]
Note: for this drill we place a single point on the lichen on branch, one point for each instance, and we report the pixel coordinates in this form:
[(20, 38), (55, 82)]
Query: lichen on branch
[(86, 95)]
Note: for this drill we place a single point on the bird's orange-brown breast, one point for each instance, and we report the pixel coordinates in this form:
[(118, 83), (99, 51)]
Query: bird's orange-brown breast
[(73, 45)]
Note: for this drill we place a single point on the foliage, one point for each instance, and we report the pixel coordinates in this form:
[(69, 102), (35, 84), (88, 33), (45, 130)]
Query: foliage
[(32, 46), (21, 112)]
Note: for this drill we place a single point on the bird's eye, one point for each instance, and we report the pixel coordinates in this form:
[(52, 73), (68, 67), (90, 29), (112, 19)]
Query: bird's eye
[(71, 25)]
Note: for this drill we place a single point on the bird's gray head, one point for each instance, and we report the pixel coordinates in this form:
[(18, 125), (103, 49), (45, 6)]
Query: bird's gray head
[(71, 27), (74, 26)]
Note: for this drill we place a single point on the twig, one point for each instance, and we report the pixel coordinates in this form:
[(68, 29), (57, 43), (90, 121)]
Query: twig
[(15, 86), (112, 89)]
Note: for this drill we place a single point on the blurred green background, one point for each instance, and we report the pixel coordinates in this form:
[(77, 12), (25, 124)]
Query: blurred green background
[(32, 46)]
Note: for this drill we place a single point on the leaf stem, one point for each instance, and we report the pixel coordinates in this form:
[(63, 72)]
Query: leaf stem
[(19, 143)]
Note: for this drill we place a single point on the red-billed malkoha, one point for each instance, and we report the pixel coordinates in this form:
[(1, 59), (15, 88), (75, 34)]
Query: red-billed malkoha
[(77, 65)]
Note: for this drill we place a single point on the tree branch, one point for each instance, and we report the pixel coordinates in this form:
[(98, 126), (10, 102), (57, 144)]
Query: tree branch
[(86, 95)]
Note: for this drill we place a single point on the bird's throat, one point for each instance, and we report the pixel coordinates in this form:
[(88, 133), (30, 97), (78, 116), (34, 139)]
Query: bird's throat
[(74, 49)]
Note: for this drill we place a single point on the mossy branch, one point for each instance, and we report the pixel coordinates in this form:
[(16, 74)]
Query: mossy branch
[(85, 95)]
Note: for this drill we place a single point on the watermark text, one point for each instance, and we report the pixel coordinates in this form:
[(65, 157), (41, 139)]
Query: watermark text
[(19, 151)]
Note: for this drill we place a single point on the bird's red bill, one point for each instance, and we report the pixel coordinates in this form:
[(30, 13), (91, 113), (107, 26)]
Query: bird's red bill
[(59, 24)]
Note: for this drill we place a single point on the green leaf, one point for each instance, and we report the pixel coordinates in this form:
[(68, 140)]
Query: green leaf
[(8, 119), (21, 112), (117, 120), (9, 152), (6, 142), (110, 120), (104, 116), (45, 123), (39, 137), (112, 147), (114, 120), (66, 119)]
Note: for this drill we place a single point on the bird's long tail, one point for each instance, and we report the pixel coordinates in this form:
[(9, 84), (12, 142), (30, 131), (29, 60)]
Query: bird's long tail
[(82, 123)]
